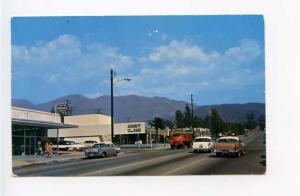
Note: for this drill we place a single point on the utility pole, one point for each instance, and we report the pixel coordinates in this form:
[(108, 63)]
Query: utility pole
[(112, 103), (99, 110), (192, 120), (112, 82)]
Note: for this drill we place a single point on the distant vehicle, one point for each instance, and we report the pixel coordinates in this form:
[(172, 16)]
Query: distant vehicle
[(117, 149), (202, 144), (229, 146), (76, 146), (181, 140), (89, 143), (101, 150), (62, 145)]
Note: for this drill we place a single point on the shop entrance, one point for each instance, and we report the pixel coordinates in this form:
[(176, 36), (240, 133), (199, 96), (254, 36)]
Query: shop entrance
[(27, 140), (30, 145)]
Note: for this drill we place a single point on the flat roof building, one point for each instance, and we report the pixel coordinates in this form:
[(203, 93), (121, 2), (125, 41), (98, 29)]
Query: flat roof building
[(30, 129), (97, 127)]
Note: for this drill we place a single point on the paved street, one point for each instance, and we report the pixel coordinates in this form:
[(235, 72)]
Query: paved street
[(160, 163)]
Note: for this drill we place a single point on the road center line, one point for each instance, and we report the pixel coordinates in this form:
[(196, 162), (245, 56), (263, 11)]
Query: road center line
[(136, 163), (180, 168)]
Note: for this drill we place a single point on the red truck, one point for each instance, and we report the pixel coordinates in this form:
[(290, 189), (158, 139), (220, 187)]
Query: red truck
[(181, 140)]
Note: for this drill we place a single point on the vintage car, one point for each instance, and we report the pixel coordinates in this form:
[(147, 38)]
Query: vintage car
[(229, 145), (89, 143), (63, 145), (202, 144), (76, 146), (101, 149)]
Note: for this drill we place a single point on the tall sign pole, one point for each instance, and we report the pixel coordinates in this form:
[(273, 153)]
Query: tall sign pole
[(192, 120), (112, 103)]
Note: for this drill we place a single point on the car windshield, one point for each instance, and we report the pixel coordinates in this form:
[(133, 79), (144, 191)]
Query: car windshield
[(228, 140), (202, 140), (100, 145)]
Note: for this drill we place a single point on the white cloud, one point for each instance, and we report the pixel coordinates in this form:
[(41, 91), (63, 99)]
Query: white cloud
[(66, 58), (174, 70), (180, 66)]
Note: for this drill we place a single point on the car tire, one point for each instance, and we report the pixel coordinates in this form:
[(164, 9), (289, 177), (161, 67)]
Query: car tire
[(244, 151), (103, 155), (218, 154), (195, 151), (238, 154)]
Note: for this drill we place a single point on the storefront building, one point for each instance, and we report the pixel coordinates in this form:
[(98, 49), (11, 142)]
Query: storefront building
[(97, 127), (30, 130)]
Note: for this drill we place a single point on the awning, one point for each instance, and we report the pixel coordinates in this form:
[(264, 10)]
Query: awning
[(49, 125)]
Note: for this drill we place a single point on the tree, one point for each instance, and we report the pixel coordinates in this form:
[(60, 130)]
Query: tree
[(262, 122), (179, 119), (187, 116), (52, 109), (250, 121), (217, 124), (169, 123), (157, 123), (198, 122)]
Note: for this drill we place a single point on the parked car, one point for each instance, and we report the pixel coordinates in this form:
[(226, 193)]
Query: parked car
[(229, 146), (62, 145), (76, 146), (202, 144), (117, 149), (89, 143), (101, 149)]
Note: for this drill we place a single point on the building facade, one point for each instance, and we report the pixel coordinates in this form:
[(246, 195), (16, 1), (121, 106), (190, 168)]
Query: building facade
[(30, 129), (97, 127)]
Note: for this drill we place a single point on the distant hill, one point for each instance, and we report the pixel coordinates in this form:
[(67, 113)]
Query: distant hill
[(233, 112), (139, 108)]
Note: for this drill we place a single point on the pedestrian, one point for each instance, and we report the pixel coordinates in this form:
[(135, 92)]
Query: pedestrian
[(45, 149), (48, 150)]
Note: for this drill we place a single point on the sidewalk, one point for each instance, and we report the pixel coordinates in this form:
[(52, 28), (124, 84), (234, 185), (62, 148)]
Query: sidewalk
[(34, 160)]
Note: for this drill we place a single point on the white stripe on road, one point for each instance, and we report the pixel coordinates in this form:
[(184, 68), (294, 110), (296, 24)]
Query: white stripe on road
[(136, 163), (183, 167)]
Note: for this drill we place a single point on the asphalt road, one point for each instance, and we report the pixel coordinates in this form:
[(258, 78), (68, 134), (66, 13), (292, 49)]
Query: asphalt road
[(160, 163)]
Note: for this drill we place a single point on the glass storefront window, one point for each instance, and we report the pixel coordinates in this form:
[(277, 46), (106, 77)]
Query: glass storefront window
[(27, 140)]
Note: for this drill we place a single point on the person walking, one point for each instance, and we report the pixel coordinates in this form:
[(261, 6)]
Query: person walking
[(48, 150)]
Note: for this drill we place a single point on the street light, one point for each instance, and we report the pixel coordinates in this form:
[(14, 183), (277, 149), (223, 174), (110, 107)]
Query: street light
[(112, 83)]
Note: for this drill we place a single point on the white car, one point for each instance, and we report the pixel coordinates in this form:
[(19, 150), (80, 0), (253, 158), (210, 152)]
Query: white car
[(89, 143), (76, 146), (202, 144)]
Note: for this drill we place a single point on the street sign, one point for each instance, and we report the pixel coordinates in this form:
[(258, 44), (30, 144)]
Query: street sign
[(63, 107), (134, 128)]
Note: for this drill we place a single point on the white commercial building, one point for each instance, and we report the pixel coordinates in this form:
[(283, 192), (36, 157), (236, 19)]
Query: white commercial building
[(30, 127), (97, 127)]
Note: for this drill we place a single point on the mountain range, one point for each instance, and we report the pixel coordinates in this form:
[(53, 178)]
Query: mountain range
[(138, 108)]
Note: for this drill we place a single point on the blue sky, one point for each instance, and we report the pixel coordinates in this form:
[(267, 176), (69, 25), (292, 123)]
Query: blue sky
[(219, 59)]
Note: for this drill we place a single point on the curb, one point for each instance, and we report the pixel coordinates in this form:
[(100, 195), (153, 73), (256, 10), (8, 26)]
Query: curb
[(36, 164)]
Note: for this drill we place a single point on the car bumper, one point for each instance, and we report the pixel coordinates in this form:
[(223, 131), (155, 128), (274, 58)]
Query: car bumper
[(227, 152), (202, 149), (92, 154)]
